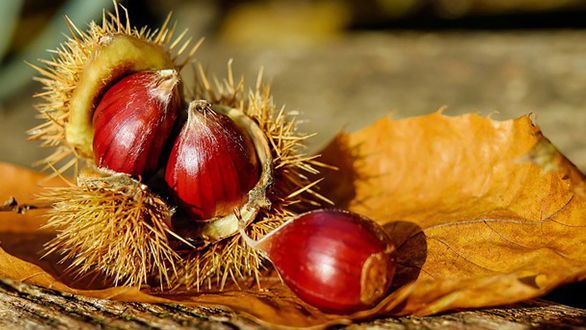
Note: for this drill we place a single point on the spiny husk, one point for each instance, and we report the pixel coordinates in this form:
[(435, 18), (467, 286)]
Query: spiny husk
[(229, 259), (132, 246), (293, 190), (112, 225), (61, 74)]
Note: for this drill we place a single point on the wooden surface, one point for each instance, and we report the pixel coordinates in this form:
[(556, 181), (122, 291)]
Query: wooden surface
[(31, 307)]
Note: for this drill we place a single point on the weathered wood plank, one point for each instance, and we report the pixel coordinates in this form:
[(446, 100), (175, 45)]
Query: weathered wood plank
[(28, 306)]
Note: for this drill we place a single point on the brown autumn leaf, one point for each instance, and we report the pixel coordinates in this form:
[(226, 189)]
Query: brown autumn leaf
[(483, 213)]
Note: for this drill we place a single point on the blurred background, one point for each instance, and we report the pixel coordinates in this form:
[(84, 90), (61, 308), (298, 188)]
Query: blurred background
[(344, 64)]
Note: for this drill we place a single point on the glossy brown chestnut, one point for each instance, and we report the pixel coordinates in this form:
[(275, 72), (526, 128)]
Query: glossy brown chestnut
[(337, 261), (134, 120), (212, 166)]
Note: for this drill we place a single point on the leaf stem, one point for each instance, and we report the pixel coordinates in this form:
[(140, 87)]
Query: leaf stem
[(12, 205)]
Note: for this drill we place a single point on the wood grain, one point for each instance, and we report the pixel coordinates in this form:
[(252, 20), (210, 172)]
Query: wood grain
[(32, 307)]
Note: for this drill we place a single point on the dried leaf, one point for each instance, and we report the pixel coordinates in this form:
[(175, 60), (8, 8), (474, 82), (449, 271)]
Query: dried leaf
[(482, 212)]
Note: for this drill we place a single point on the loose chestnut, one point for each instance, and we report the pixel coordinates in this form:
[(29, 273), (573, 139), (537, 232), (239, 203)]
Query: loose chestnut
[(213, 164), (133, 121), (337, 261)]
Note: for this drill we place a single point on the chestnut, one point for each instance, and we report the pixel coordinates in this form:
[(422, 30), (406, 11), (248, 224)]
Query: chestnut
[(337, 261), (134, 120), (212, 166)]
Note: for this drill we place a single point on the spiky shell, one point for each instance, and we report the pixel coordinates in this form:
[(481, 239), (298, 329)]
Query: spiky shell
[(114, 225), (75, 75), (127, 224)]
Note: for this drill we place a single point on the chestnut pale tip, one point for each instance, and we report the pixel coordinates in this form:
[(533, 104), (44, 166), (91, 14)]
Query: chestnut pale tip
[(163, 89)]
